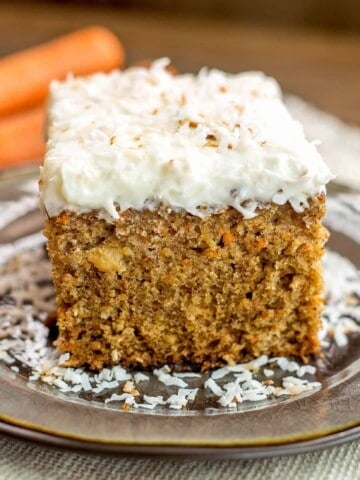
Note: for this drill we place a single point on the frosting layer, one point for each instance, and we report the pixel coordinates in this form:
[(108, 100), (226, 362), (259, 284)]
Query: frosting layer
[(201, 143)]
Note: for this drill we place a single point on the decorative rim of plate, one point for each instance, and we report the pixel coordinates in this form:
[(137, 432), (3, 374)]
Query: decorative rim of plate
[(260, 447), (244, 451)]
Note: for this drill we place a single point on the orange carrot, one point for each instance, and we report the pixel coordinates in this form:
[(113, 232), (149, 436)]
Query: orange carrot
[(21, 137), (25, 76)]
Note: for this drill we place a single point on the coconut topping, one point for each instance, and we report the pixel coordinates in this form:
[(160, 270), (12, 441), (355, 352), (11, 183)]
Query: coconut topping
[(199, 143)]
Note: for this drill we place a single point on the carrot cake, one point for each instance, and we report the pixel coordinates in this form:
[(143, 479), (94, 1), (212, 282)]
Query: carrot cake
[(184, 220)]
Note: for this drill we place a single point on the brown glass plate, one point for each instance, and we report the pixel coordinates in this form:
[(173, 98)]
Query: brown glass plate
[(318, 419)]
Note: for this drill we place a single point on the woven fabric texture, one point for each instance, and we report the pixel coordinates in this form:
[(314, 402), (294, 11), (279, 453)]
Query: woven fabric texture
[(20, 460)]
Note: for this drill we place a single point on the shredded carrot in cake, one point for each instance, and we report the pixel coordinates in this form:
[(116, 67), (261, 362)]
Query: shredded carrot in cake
[(261, 243), (227, 238)]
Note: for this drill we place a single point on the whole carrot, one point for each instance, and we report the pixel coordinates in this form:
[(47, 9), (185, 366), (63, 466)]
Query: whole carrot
[(25, 76), (22, 138)]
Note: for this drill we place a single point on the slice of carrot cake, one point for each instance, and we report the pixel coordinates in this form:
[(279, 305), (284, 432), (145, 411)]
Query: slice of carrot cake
[(183, 220)]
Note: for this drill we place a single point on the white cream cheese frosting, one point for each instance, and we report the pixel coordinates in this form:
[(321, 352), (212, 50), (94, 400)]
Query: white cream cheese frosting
[(200, 143)]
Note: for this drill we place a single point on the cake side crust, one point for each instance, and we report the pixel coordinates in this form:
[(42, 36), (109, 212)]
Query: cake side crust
[(164, 287)]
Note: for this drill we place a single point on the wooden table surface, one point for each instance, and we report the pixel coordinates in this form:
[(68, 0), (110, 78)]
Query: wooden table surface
[(323, 68)]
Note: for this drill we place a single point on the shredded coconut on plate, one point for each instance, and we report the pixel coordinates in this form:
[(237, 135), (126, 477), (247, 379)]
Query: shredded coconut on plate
[(27, 297)]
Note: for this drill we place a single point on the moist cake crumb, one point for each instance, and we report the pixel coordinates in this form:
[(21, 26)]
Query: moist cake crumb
[(165, 288)]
